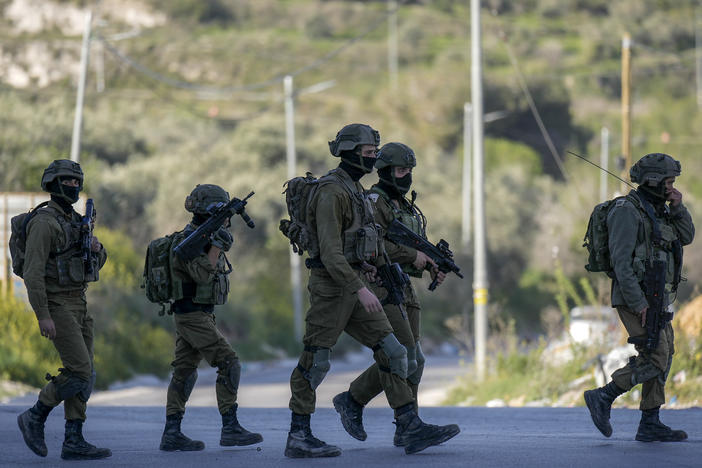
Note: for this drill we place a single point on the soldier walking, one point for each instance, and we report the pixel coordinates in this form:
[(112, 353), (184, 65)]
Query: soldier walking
[(649, 224), (202, 283), (344, 238), (395, 164), (56, 274)]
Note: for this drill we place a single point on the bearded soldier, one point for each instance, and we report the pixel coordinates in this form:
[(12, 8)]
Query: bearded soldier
[(56, 274), (395, 163), (649, 225), (340, 218), (202, 283)]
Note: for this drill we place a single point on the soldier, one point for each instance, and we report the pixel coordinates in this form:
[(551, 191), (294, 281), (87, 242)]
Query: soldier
[(340, 218), (395, 163), (632, 242), (56, 278), (204, 283)]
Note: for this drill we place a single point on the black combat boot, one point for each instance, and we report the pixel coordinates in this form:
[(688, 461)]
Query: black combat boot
[(233, 433), (652, 429), (31, 424), (302, 444), (172, 439), (351, 413), (76, 448), (415, 435), (599, 402)]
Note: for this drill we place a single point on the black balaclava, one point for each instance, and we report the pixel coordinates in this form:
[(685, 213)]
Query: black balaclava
[(64, 195), (353, 170), (400, 186), (199, 219), (655, 195)]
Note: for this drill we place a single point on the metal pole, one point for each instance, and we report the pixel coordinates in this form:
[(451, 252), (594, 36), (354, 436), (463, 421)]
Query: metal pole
[(604, 162), (698, 55), (392, 44), (100, 67), (467, 161), (480, 279), (295, 280), (78, 121), (626, 107)]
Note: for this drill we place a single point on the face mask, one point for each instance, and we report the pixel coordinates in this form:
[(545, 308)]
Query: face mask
[(368, 164), (66, 192), (404, 183)]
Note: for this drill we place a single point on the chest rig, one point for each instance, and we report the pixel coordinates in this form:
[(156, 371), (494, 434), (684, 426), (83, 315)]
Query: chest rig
[(657, 240), (409, 215), (212, 293), (360, 239), (66, 264)]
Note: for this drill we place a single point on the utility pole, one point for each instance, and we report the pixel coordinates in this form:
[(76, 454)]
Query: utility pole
[(698, 55), (392, 44), (480, 279), (466, 185), (626, 108), (604, 162), (295, 280), (84, 58)]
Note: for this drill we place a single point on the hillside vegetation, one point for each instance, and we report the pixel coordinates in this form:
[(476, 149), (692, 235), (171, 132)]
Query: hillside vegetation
[(193, 94)]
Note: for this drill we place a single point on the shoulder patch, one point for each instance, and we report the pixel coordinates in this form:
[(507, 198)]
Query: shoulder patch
[(373, 197)]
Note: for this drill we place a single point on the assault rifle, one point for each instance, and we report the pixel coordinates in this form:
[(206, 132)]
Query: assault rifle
[(656, 316), (439, 253), (195, 243), (86, 235), (394, 280)]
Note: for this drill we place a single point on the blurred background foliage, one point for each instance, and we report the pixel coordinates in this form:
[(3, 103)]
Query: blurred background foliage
[(146, 143)]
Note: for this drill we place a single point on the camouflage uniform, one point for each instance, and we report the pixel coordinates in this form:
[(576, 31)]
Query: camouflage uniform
[(202, 286), (631, 245), (56, 278)]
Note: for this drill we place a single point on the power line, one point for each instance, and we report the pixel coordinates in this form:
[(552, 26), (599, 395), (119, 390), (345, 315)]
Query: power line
[(249, 87)]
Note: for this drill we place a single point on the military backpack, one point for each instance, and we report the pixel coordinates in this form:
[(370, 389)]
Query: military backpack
[(157, 281), (298, 193), (596, 239), (18, 238)]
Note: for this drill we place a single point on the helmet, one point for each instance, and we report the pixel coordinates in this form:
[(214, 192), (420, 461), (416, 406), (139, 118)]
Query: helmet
[(61, 168), (654, 168), (353, 135), (203, 197), (395, 154)]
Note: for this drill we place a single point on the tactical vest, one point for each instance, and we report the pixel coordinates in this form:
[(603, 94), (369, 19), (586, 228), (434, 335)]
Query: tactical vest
[(665, 249), (409, 215), (214, 293), (360, 240), (65, 264)]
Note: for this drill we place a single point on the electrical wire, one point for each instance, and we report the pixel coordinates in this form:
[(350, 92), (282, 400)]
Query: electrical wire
[(248, 87)]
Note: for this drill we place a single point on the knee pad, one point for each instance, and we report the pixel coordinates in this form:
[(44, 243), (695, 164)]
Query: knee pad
[(320, 366), (396, 353), (84, 394), (68, 384), (411, 360), (184, 386), (230, 374), (643, 372), (416, 377)]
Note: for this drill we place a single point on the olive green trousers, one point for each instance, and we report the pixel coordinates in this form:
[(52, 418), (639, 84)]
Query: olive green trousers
[(197, 337), (649, 368), (333, 310)]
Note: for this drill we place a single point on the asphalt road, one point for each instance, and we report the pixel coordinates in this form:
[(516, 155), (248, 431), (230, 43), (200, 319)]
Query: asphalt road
[(490, 437), (129, 419)]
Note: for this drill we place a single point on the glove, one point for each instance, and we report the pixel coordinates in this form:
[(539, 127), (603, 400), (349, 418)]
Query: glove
[(222, 239)]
